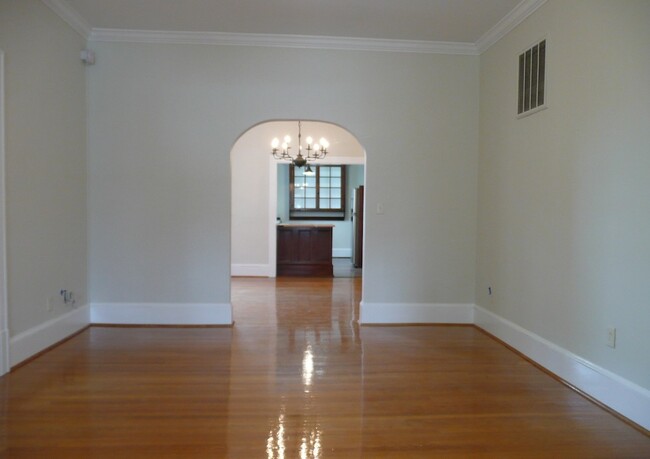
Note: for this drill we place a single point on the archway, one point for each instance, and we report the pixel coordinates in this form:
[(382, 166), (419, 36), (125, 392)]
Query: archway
[(255, 207)]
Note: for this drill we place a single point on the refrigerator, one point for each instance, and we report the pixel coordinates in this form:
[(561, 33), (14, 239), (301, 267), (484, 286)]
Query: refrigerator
[(357, 227)]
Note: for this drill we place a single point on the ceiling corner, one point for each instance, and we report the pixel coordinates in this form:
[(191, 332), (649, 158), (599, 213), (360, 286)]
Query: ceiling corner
[(515, 17), (70, 16)]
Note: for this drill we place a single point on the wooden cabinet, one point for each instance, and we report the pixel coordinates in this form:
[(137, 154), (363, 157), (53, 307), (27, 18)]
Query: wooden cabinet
[(305, 250), (357, 228)]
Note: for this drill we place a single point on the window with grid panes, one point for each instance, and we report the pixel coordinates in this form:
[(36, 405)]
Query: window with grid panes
[(320, 196)]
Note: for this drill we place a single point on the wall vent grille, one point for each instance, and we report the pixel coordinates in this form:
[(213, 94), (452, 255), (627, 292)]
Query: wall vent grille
[(532, 79)]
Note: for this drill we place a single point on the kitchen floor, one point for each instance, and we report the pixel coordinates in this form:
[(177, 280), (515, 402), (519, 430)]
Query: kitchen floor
[(343, 267)]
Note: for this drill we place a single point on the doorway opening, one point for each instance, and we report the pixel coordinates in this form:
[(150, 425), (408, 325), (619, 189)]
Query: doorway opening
[(266, 194)]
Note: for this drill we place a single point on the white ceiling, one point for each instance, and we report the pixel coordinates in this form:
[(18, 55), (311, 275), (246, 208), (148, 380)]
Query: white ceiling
[(429, 20)]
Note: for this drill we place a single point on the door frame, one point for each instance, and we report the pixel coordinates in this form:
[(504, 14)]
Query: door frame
[(4, 314)]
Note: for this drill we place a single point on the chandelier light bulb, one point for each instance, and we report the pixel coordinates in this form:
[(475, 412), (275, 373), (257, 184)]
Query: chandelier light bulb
[(314, 151)]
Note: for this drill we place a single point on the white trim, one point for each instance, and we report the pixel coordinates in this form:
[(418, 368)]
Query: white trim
[(338, 160), (539, 108), (161, 313), (416, 313), (623, 396), (335, 160), (282, 41), (498, 31), (253, 270), (511, 20), (273, 215), (342, 253), (30, 342), (70, 16), (5, 366), (4, 315)]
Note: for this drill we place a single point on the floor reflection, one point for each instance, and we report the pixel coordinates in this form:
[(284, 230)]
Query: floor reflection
[(307, 368), (312, 351)]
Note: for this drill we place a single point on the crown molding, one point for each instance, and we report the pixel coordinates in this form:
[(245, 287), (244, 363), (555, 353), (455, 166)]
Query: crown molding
[(282, 41), (515, 17), (70, 16), (524, 9)]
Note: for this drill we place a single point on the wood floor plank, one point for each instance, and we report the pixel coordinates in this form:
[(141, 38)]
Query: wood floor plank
[(297, 377)]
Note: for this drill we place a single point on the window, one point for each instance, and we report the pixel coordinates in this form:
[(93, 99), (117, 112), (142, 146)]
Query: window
[(532, 79), (320, 196)]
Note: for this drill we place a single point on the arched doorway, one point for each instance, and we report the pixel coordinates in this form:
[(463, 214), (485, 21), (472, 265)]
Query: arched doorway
[(257, 201), (296, 321)]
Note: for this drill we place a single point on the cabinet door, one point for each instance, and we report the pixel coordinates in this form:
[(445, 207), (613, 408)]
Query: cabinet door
[(304, 242), (321, 245), (285, 246)]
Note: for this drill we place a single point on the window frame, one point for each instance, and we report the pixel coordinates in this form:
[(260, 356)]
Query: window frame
[(317, 213)]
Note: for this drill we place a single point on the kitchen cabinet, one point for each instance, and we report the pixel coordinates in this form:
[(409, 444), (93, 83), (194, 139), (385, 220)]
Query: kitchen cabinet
[(304, 250)]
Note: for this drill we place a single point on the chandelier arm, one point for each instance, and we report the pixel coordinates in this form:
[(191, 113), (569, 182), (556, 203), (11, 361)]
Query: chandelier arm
[(313, 153)]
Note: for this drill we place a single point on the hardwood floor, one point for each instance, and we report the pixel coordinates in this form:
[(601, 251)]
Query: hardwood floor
[(297, 377)]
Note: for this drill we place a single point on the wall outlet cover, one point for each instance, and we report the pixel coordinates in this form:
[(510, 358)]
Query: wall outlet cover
[(611, 337)]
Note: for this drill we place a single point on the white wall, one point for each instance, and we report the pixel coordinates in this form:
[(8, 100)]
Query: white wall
[(45, 114), (564, 214), (163, 119), (283, 192), (250, 184)]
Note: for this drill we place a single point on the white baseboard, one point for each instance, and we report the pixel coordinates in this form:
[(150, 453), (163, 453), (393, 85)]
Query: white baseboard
[(341, 253), (623, 396), (251, 270), (415, 313), (161, 313), (4, 352), (32, 341)]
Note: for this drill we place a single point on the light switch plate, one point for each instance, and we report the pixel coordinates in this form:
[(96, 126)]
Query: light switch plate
[(611, 337)]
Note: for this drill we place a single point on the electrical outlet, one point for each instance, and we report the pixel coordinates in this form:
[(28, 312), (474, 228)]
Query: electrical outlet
[(611, 337), (380, 208), (68, 297)]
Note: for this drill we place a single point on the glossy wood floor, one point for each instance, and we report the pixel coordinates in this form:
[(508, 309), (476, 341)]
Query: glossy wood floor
[(297, 378)]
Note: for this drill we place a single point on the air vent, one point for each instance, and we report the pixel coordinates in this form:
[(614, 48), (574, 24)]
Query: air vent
[(532, 79)]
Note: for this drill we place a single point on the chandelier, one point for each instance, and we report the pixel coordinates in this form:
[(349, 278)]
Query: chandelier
[(313, 150)]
